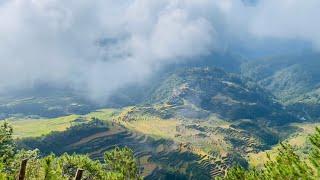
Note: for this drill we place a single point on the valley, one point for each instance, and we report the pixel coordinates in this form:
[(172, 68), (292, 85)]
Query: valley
[(164, 147), (196, 122), (159, 90)]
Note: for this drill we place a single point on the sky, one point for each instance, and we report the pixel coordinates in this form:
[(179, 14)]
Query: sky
[(99, 46)]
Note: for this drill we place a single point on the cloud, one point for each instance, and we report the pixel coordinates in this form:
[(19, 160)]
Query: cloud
[(59, 42), (291, 19), (99, 46)]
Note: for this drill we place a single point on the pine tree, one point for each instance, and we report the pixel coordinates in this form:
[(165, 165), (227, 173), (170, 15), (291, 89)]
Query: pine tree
[(287, 165), (119, 163), (122, 161)]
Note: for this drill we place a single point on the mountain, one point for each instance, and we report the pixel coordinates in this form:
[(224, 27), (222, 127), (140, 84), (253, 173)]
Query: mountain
[(189, 120), (195, 121), (294, 80), (54, 100), (44, 101), (287, 77), (201, 91)]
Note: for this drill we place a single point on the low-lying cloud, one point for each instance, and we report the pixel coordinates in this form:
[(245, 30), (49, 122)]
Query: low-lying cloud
[(101, 45)]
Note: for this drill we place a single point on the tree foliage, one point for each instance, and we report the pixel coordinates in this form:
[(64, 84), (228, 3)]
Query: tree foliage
[(287, 165), (118, 163), (6, 143), (122, 160)]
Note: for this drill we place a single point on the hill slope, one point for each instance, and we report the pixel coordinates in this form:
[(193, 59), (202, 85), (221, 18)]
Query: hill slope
[(201, 91), (196, 121), (294, 80)]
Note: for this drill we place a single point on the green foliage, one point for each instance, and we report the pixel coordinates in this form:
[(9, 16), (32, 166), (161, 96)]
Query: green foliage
[(70, 163), (3, 175), (294, 80), (63, 167), (122, 161), (119, 163), (315, 153), (287, 165), (6, 143)]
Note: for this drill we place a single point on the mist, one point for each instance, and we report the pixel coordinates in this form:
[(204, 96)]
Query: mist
[(99, 46)]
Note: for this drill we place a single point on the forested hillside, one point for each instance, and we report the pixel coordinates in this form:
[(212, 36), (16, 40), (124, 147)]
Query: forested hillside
[(294, 80)]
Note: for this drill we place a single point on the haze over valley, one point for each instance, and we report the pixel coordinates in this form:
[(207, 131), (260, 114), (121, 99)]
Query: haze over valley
[(140, 89)]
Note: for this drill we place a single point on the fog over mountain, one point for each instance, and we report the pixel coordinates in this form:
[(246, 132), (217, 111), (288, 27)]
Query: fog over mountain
[(99, 46)]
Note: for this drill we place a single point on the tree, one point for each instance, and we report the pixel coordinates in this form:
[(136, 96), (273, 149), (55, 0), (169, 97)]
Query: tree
[(315, 153), (119, 163), (287, 165), (7, 147), (122, 161)]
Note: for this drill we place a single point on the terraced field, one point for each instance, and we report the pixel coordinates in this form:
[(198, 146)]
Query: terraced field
[(156, 156), (298, 140), (168, 148), (156, 143)]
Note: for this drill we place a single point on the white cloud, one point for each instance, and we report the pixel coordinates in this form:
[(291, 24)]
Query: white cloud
[(56, 41), (292, 19)]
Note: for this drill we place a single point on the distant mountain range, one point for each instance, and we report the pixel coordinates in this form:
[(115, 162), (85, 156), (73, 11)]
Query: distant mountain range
[(294, 80), (279, 89)]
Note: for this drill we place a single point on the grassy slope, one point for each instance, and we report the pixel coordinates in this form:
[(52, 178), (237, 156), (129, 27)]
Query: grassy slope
[(179, 130), (151, 153), (160, 128), (298, 140), (202, 141), (37, 127), (167, 129), (28, 127), (143, 124), (155, 127)]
